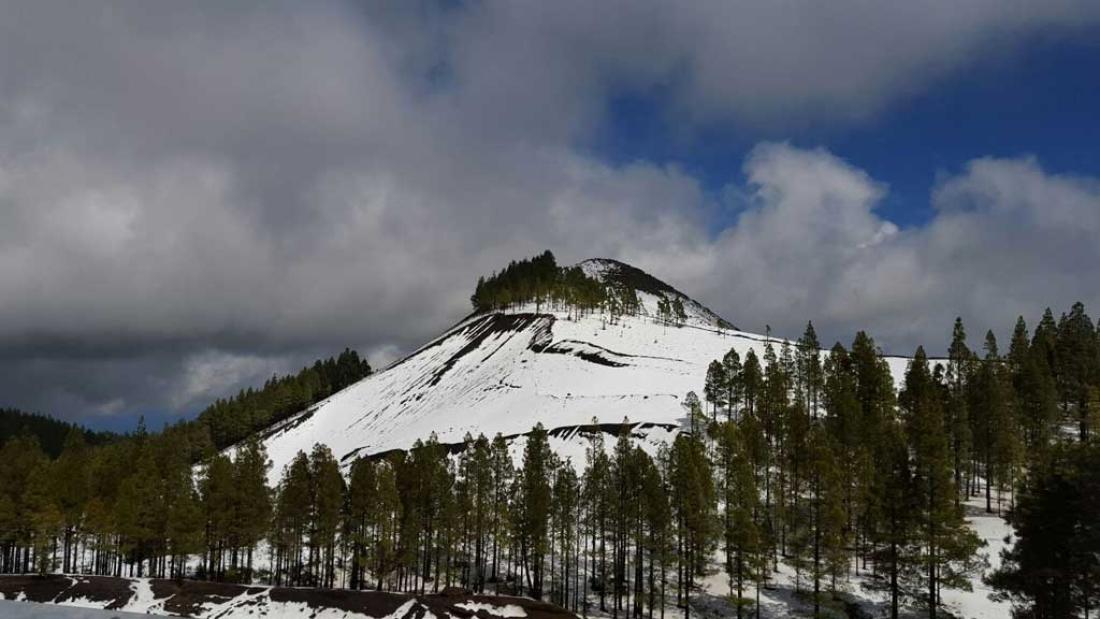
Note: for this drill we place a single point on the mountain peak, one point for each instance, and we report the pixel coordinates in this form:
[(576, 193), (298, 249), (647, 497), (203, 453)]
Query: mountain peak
[(593, 285), (650, 289)]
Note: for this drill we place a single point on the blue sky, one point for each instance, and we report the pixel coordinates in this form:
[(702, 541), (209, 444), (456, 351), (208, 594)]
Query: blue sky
[(1042, 100)]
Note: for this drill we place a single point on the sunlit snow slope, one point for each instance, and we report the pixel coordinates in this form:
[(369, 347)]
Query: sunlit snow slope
[(505, 372)]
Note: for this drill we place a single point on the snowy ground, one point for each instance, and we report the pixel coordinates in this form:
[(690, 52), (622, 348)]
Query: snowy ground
[(28, 610), (783, 599), (506, 372), (89, 597)]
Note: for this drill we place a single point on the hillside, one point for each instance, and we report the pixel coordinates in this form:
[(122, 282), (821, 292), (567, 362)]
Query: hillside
[(504, 371)]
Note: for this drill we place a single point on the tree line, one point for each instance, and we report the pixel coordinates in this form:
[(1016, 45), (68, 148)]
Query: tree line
[(540, 281), (799, 457), (50, 432), (232, 420)]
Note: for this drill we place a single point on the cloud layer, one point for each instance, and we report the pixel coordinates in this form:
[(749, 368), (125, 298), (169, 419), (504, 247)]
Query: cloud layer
[(193, 197)]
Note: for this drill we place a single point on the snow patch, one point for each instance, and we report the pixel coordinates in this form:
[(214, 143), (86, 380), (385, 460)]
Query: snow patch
[(508, 610)]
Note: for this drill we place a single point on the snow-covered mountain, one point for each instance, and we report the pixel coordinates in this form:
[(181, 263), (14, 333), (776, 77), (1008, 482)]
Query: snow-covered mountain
[(506, 371)]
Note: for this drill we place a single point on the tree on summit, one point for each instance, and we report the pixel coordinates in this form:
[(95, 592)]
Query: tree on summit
[(540, 280)]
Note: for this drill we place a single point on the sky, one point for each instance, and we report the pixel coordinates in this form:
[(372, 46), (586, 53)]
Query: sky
[(194, 196)]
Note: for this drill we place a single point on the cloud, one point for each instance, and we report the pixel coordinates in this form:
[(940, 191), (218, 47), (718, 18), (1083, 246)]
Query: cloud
[(1008, 239), (194, 196), (533, 64)]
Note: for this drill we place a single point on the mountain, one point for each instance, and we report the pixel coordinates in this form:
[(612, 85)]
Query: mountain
[(650, 289), (504, 371)]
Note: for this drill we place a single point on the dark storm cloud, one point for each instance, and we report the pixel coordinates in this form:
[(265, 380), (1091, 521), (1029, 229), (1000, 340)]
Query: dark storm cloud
[(195, 195)]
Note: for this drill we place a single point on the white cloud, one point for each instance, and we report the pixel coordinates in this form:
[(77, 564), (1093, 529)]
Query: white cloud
[(1008, 240)]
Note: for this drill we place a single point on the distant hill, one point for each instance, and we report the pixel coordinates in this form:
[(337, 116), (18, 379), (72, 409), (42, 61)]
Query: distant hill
[(50, 432)]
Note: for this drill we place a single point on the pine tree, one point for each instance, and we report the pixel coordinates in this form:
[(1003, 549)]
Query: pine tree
[(327, 502), (809, 370), (751, 379), (536, 508), (959, 370), (825, 513), (597, 500), (502, 473), (740, 504), (565, 503), (139, 513), (73, 487), (183, 512), (360, 519), (1052, 569), (677, 310), (217, 492), (658, 520), (731, 366), (892, 516), (387, 518), (252, 513), (292, 516), (43, 515), (693, 506), (1076, 365), (715, 388), (946, 540)]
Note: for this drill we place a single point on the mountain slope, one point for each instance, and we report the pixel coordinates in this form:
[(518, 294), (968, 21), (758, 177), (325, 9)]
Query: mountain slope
[(506, 371), (650, 289)]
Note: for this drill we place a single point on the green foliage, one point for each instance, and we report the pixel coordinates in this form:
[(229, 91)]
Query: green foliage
[(51, 433), (540, 280), (1052, 568), (229, 421)]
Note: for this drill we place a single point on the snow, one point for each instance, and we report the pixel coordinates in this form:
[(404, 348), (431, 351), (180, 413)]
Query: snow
[(994, 531), (18, 610), (508, 610), (261, 604), (506, 372), (143, 600)]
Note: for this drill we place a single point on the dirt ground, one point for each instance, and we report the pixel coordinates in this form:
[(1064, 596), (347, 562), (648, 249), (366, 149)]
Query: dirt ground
[(188, 598)]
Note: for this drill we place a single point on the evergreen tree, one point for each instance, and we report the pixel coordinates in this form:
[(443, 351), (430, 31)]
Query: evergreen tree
[(535, 499), (731, 367), (326, 505), (959, 370), (946, 540), (693, 507), (809, 370), (751, 379), (715, 388), (1076, 365), (183, 511), (825, 514), (73, 487), (677, 311), (1052, 569), (253, 509), (892, 516), (216, 489), (740, 504)]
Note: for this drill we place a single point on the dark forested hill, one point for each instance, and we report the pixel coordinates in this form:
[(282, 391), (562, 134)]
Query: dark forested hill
[(50, 432)]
